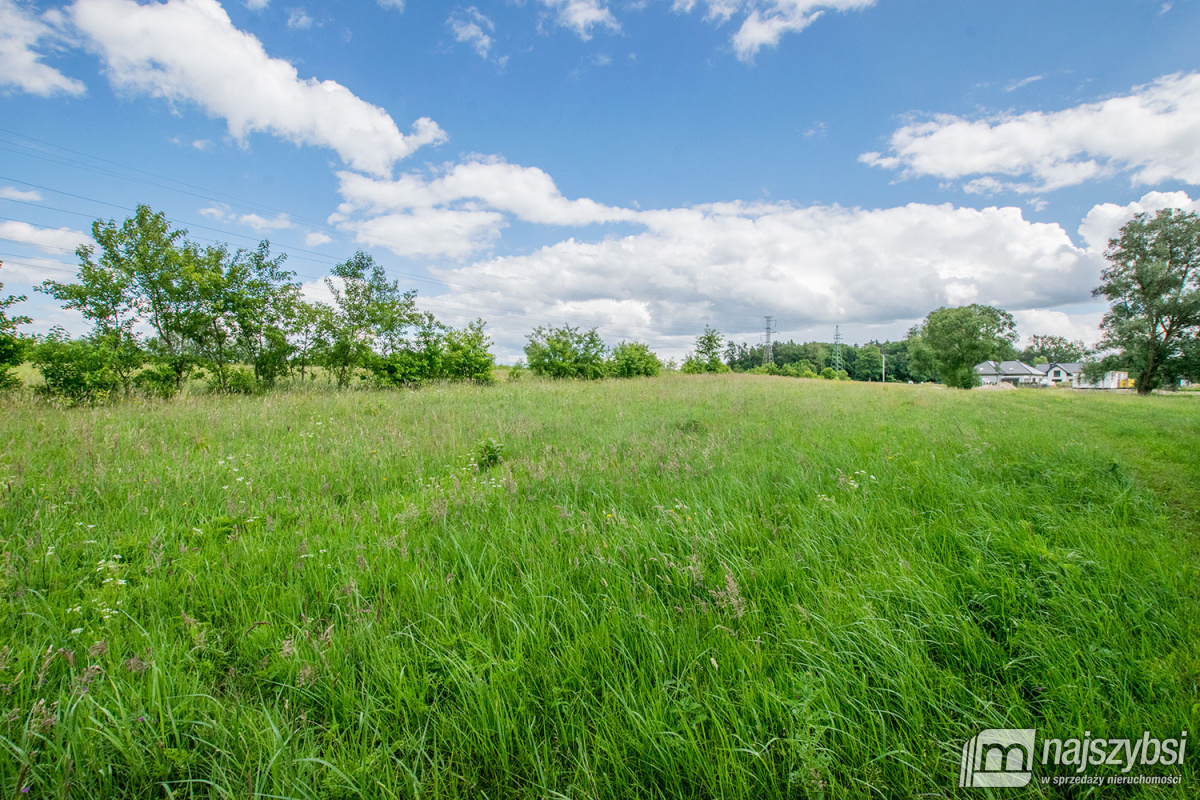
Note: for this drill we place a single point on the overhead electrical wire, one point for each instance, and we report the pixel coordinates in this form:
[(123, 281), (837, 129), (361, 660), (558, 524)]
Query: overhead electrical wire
[(163, 182)]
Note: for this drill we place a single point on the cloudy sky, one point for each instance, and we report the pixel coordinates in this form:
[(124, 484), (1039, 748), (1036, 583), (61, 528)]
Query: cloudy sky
[(643, 166)]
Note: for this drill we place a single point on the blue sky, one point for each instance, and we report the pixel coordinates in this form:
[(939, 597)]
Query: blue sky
[(643, 167)]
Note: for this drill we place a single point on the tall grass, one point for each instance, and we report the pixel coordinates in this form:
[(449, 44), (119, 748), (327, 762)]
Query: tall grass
[(683, 587)]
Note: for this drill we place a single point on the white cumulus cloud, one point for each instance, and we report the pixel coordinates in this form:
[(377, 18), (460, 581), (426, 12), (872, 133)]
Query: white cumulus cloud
[(727, 264), (1105, 220), (315, 239), (474, 196), (52, 240), (1149, 134), (190, 51), (20, 61)]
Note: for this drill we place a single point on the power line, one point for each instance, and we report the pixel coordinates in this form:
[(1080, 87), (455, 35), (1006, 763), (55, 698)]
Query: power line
[(76, 159), (323, 259)]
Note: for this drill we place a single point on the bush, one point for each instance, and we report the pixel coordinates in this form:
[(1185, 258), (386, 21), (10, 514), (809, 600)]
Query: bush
[(76, 371), (238, 380), (12, 352), (828, 374), (159, 380), (468, 356), (489, 454), (694, 365), (633, 360), (565, 353), (437, 353)]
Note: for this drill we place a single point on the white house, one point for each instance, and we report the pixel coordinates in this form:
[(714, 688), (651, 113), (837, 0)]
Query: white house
[(1007, 372), (1060, 373)]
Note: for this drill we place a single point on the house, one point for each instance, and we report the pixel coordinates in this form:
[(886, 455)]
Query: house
[(1054, 374), (1015, 372), (1060, 373)]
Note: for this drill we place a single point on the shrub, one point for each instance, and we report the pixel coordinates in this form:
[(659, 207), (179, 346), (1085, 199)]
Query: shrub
[(828, 374), (77, 371), (158, 380), (468, 356), (489, 454), (565, 353), (633, 360), (238, 380), (12, 352)]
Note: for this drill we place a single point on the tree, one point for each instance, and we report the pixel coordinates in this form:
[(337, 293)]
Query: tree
[(467, 354), (565, 353), (11, 344), (371, 318), (264, 297), (869, 364), (633, 360), (211, 322), (1054, 349), (707, 355), (374, 310), (952, 341), (105, 295), (306, 325), (1153, 284)]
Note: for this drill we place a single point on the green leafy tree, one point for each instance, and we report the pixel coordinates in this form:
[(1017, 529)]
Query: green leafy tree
[(12, 345), (214, 278), (868, 366), (76, 371), (265, 296), (467, 354), (371, 319), (1153, 285), (375, 311), (106, 296), (1187, 365), (565, 352), (306, 325), (952, 341), (1054, 349), (634, 360), (707, 354)]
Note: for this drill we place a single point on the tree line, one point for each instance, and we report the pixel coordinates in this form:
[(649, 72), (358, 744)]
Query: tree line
[(1151, 330), (164, 309)]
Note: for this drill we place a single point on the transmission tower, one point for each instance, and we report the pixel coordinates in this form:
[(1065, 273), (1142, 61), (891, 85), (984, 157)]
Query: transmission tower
[(768, 355), (837, 348)]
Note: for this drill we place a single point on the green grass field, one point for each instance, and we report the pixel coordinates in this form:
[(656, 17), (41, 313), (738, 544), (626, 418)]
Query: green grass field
[(696, 587)]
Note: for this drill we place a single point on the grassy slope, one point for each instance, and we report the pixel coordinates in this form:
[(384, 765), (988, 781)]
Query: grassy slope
[(685, 587)]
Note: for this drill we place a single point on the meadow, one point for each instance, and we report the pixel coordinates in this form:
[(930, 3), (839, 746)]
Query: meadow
[(685, 587)]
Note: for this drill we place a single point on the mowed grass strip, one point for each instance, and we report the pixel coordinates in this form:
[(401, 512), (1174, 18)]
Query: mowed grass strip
[(682, 587)]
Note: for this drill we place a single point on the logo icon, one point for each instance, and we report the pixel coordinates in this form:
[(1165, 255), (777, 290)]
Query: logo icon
[(998, 757)]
